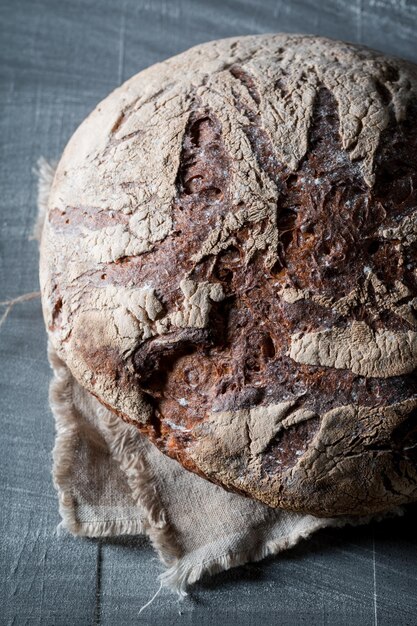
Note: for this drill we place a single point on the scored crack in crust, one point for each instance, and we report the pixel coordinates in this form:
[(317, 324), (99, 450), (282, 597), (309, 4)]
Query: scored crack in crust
[(229, 263)]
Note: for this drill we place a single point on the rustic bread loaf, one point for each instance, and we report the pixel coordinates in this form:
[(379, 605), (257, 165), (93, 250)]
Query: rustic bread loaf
[(229, 263)]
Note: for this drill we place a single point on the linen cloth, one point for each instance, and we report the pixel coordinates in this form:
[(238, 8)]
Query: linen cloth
[(112, 481)]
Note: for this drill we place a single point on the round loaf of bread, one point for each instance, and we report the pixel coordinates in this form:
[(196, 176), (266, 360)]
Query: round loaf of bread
[(229, 263)]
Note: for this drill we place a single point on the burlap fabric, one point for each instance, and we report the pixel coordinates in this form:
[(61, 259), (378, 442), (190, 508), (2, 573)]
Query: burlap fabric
[(112, 481)]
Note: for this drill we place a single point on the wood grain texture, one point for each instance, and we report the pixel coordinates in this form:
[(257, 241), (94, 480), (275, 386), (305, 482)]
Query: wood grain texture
[(58, 59)]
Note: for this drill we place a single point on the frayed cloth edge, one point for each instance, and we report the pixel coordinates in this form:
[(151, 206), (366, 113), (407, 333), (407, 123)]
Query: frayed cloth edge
[(45, 172), (98, 529), (60, 396), (122, 448), (142, 483), (183, 574)]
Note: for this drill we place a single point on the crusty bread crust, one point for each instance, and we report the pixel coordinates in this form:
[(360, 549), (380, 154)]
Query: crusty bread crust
[(229, 263)]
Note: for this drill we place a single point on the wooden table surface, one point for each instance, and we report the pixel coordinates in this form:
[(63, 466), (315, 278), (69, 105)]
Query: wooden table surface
[(58, 60)]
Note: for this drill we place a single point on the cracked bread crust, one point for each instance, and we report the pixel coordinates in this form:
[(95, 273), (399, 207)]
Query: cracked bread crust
[(229, 263)]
